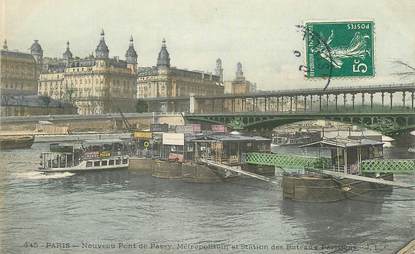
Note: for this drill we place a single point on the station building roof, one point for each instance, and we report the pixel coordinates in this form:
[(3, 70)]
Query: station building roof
[(230, 137), (344, 143), (102, 141)]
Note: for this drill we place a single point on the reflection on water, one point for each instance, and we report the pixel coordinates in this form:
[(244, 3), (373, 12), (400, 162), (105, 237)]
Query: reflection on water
[(130, 206), (325, 223)]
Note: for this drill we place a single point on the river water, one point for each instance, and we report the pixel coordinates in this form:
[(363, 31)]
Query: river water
[(132, 212)]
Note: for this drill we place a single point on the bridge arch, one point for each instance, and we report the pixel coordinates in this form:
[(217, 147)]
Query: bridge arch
[(392, 124)]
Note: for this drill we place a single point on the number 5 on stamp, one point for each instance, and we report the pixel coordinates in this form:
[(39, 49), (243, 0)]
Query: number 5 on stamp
[(339, 49)]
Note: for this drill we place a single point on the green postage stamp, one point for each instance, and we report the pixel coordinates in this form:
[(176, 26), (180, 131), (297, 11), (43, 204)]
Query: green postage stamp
[(339, 49)]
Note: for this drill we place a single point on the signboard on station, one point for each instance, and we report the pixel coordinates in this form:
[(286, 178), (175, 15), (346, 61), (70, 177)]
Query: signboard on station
[(176, 157), (188, 128), (104, 154), (196, 128), (173, 139), (143, 135), (91, 155), (218, 128), (159, 127)]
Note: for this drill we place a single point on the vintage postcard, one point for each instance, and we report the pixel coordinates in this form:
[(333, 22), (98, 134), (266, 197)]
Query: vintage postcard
[(190, 126)]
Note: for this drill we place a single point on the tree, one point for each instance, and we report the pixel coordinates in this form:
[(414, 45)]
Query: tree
[(69, 94), (5, 99), (46, 100)]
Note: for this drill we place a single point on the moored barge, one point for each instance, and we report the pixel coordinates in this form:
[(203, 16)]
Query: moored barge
[(16, 141), (315, 185)]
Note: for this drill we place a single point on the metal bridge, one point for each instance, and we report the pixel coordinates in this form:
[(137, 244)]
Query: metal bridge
[(389, 109), (391, 123), (287, 161), (375, 97)]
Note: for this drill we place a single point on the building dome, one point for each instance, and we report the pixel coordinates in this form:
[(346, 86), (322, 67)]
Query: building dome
[(36, 49), (68, 54), (131, 54), (164, 57), (102, 50)]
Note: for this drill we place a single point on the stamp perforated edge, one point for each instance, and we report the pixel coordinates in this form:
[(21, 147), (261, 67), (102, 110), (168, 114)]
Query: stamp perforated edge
[(351, 78)]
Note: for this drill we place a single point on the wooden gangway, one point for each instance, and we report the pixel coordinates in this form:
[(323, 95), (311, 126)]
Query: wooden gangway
[(236, 170), (408, 248), (365, 179), (326, 172)]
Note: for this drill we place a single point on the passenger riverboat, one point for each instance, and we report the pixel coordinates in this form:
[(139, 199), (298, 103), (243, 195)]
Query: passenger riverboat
[(88, 155)]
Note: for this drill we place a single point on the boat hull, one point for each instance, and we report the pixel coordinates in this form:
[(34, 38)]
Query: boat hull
[(326, 189), (16, 142), (77, 170), (82, 167)]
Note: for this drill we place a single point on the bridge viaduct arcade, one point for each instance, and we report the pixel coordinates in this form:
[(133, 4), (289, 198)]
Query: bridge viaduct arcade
[(371, 98), (389, 109)]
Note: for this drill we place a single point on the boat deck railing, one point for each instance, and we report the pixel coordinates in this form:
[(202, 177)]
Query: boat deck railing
[(58, 160)]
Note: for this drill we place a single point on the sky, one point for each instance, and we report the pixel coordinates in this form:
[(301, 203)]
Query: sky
[(259, 34)]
